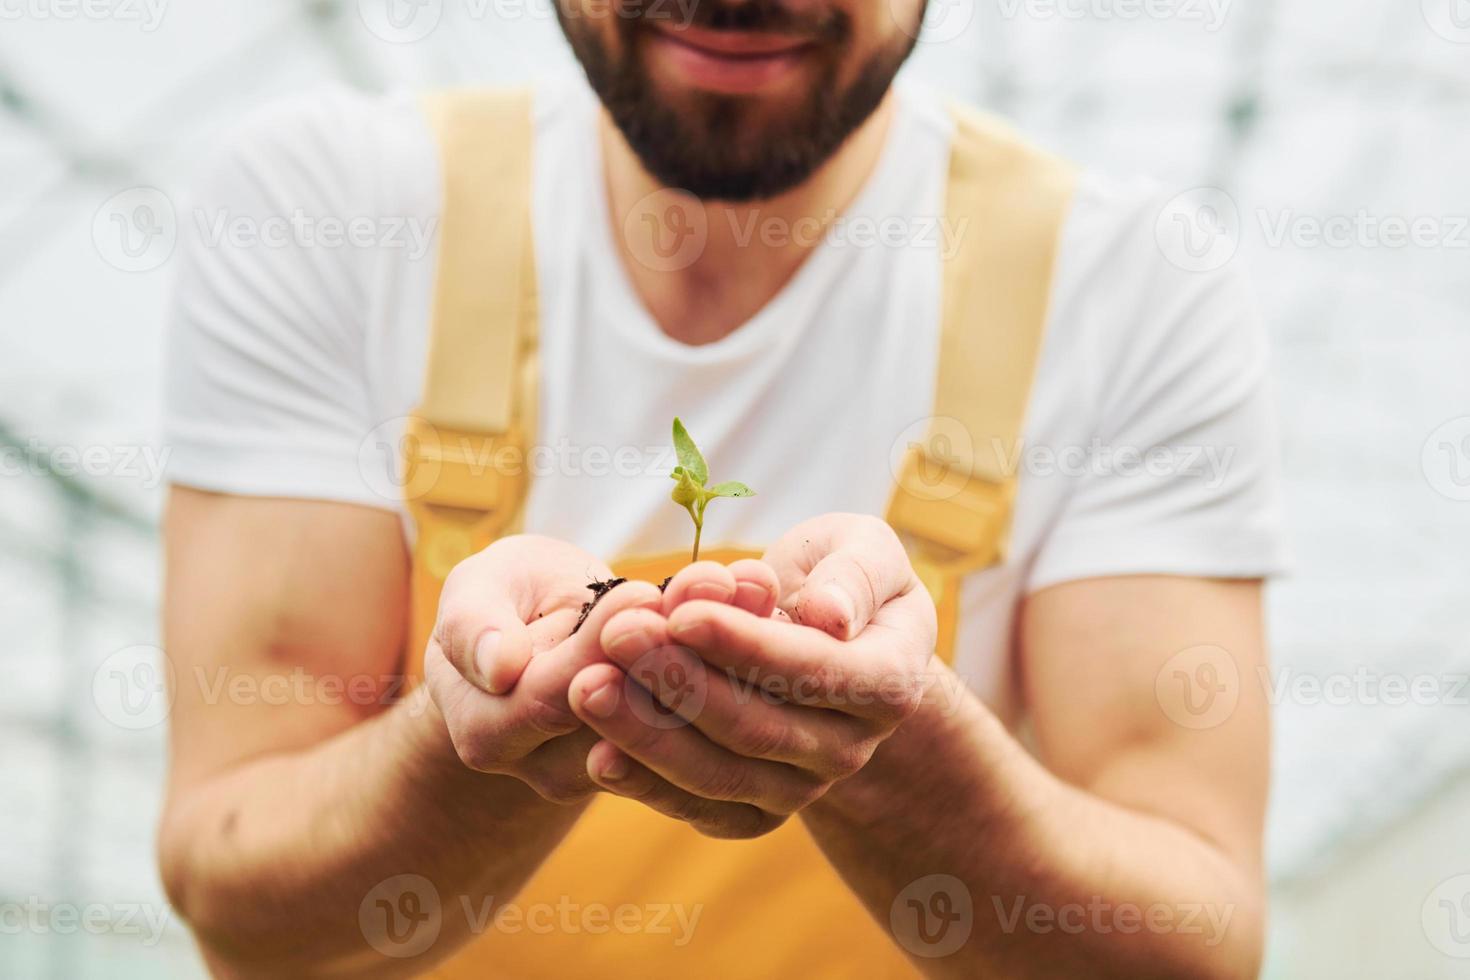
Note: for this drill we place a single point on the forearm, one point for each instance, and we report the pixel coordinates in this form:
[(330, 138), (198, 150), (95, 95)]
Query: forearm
[(1062, 882), (271, 861)]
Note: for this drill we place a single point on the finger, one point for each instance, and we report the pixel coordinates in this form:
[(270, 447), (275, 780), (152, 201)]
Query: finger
[(701, 580), (875, 675), (622, 712), (548, 677), (489, 600), (730, 710), (838, 570), (612, 769), (497, 731), (757, 589)]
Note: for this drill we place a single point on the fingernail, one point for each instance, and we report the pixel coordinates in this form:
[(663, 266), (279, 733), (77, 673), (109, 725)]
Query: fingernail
[(752, 594), (630, 643), (602, 702), (685, 629), (715, 591), (485, 655), (617, 768), (846, 608)]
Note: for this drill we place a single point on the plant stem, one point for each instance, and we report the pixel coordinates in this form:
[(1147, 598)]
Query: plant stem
[(698, 528)]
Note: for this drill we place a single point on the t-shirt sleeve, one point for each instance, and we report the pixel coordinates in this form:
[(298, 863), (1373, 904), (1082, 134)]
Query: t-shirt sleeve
[(1181, 473), (265, 386)]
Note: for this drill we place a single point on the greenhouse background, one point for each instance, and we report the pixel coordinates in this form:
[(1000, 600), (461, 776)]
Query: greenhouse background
[(1347, 117)]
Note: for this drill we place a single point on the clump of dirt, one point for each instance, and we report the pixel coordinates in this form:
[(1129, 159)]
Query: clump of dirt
[(601, 588)]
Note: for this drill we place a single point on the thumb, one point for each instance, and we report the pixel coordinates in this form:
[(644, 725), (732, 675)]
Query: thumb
[(490, 599), (849, 566)]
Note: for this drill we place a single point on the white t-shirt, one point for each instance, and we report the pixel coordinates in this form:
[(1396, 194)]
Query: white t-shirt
[(299, 333)]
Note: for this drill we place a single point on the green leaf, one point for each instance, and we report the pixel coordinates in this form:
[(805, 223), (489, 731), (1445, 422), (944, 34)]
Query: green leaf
[(731, 488), (691, 460)]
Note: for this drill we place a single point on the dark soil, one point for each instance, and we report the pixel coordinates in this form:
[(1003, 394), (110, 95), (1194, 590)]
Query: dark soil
[(601, 588)]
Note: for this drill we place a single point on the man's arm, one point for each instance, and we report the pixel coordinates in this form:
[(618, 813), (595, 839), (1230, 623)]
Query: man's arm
[(300, 780), (1135, 850)]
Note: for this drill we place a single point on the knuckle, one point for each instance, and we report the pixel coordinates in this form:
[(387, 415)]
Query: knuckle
[(806, 793), (725, 783), (757, 739), (560, 790), (690, 809), (549, 718), (475, 752), (850, 759)]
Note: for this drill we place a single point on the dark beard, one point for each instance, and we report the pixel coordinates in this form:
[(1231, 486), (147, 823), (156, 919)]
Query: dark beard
[(707, 148)]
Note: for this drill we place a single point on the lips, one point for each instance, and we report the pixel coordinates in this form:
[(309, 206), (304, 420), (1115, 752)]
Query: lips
[(734, 62)]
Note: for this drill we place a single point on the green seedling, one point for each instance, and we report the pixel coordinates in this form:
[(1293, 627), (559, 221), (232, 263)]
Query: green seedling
[(691, 475)]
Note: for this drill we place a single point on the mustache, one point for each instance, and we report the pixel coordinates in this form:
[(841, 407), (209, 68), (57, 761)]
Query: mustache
[(760, 16)]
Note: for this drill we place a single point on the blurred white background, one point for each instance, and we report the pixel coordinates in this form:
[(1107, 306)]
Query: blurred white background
[(1348, 117)]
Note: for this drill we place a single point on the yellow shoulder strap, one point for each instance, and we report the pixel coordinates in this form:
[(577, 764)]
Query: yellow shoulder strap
[(1006, 202), (478, 403), (466, 475)]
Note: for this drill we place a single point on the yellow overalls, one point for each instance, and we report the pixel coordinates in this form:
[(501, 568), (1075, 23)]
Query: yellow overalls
[(771, 907)]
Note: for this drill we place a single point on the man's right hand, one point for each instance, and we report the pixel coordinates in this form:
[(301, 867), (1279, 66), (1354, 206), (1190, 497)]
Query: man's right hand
[(503, 655)]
